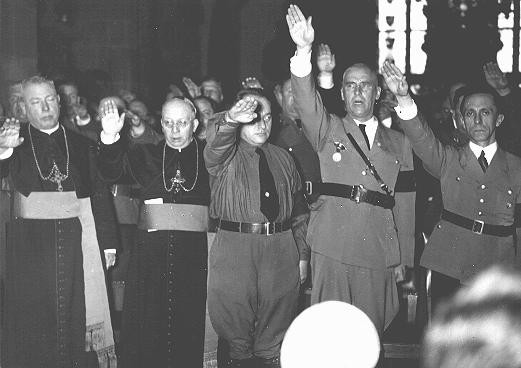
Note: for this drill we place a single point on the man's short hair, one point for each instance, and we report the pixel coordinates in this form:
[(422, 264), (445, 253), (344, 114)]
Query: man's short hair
[(364, 66), (479, 327), (37, 79), (470, 90)]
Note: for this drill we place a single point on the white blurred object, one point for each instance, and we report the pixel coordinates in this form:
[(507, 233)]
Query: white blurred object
[(331, 334)]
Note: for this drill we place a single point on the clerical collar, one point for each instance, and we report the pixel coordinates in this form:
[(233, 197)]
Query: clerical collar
[(49, 131), (490, 150)]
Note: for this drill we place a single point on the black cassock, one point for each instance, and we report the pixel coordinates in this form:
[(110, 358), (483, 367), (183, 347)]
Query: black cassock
[(44, 313), (165, 290)]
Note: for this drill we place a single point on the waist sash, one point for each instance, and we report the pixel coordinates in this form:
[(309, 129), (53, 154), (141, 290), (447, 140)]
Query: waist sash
[(173, 216), (46, 205)]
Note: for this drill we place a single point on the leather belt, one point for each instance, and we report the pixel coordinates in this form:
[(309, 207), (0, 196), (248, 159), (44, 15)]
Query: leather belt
[(356, 193), (264, 228), (125, 190), (477, 226)]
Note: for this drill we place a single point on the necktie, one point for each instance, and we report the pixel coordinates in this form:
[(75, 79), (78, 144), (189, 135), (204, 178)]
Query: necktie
[(483, 161), (269, 197), (362, 128)]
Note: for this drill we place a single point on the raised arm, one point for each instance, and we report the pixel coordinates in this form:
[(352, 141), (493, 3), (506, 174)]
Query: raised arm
[(425, 144), (112, 152), (315, 119), (221, 136)]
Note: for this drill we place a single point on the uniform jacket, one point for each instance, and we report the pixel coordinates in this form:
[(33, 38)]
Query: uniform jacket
[(353, 233), (490, 197)]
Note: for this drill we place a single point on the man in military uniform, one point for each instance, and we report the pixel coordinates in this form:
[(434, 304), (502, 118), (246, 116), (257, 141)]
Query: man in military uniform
[(353, 230), (480, 182)]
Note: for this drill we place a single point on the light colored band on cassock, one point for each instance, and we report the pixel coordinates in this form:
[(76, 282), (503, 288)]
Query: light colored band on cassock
[(173, 216), (46, 205)]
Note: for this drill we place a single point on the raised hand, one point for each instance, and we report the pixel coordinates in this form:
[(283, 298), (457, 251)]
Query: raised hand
[(251, 82), (325, 59), (495, 77), (243, 111), (300, 28), (193, 89), (111, 121), (395, 79), (10, 134)]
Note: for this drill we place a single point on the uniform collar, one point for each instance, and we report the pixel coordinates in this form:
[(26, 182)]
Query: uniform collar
[(490, 150)]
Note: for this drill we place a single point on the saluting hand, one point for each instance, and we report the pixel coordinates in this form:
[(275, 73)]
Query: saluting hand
[(243, 111), (10, 134), (193, 89), (325, 59), (300, 28), (496, 78), (395, 79), (111, 121)]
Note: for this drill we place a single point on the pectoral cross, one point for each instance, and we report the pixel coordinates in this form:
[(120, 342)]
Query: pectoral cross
[(57, 177), (177, 181)]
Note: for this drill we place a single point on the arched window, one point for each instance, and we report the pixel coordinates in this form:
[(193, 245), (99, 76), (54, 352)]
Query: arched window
[(402, 27)]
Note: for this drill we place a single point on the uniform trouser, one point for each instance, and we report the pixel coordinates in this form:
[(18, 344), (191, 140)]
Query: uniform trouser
[(442, 288), (372, 291), (253, 289)]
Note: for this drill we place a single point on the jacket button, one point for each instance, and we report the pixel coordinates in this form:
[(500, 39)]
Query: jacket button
[(481, 200), (364, 172), (509, 205), (458, 178), (509, 192), (480, 213), (290, 149), (439, 226), (483, 186)]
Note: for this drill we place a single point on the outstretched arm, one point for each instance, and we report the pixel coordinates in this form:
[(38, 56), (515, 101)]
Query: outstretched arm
[(424, 143), (221, 133), (315, 119), (112, 152)]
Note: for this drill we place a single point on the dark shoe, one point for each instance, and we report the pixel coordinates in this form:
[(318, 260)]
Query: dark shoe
[(269, 362)]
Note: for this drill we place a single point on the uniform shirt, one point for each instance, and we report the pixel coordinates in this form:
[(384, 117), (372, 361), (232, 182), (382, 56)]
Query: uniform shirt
[(233, 166)]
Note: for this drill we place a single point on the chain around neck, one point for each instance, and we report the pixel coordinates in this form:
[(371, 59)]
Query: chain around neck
[(169, 189), (55, 171)]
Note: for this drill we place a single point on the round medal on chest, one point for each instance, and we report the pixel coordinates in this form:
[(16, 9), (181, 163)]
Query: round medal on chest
[(337, 156)]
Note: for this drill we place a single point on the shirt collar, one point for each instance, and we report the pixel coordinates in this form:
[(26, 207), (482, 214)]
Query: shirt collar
[(373, 123), (490, 150)]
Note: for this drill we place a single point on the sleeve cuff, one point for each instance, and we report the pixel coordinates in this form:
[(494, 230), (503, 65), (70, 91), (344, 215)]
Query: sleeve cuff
[(300, 64), (6, 154), (408, 112), (83, 122), (325, 80), (108, 138), (110, 251)]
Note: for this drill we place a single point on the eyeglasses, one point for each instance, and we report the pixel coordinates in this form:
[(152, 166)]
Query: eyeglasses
[(178, 124), (49, 99), (363, 86)]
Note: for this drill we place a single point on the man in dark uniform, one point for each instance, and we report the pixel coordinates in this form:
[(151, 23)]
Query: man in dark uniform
[(165, 291), (480, 183), (362, 231), (56, 304), (254, 261)]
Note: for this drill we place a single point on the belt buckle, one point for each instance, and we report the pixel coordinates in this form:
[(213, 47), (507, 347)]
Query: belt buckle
[(356, 193), (477, 227), (269, 227), (309, 187)]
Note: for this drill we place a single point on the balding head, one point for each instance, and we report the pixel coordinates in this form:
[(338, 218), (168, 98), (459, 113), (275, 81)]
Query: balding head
[(178, 120), (360, 91)]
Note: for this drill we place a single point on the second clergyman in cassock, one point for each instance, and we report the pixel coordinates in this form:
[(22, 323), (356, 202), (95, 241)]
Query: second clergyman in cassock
[(165, 292)]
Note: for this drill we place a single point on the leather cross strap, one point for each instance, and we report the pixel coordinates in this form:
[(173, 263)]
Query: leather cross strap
[(477, 226), (370, 165), (264, 228), (356, 193)]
